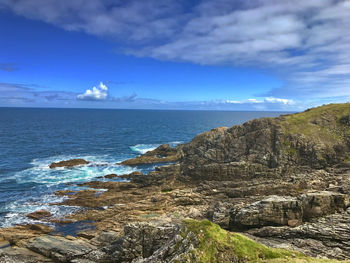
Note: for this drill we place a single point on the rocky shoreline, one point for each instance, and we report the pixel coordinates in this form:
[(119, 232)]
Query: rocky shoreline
[(283, 182)]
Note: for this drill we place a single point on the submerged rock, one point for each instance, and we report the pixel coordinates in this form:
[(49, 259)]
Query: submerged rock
[(39, 214), (68, 163)]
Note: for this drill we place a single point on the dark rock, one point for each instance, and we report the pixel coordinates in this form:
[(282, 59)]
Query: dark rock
[(345, 119), (110, 176), (68, 163), (39, 214), (164, 153), (141, 240)]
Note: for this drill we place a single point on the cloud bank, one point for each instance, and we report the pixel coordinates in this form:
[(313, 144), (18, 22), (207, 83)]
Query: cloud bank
[(305, 42), (20, 94), (266, 100)]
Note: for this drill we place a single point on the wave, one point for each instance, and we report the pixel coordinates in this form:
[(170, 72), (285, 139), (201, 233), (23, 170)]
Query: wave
[(33, 188), (98, 166), (143, 148), (16, 212)]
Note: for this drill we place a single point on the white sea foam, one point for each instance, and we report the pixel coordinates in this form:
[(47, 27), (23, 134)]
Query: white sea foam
[(143, 148), (18, 210), (98, 166), (47, 180)]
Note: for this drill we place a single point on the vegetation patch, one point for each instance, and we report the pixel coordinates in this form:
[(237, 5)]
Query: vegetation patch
[(219, 245), (322, 124), (289, 149), (166, 190)]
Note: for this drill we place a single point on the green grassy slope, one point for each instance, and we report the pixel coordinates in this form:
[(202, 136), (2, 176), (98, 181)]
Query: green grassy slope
[(321, 123), (218, 245)]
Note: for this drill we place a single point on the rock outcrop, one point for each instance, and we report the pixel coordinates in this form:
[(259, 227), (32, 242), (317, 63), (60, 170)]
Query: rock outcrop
[(58, 248), (162, 154), (292, 211), (39, 214), (317, 138), (68, 163)]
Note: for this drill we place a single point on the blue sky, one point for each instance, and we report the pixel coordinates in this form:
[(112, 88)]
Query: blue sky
[(223, 55)]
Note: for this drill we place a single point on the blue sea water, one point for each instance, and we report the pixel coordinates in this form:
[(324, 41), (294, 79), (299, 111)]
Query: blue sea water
[(31, 139)]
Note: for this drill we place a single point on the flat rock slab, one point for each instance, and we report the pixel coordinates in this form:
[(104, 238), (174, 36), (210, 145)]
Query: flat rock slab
[(58, 248), (21, 255)]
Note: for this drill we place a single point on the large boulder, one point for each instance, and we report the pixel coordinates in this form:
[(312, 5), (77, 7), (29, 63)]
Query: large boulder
[(273, 211), (278, 210)]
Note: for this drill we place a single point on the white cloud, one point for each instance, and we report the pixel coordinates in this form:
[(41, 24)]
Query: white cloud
[(266, 101), (96, 93), (278, 100), (306, 42)]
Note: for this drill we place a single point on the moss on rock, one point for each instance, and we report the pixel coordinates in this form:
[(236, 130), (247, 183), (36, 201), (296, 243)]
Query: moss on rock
[(219, 245)]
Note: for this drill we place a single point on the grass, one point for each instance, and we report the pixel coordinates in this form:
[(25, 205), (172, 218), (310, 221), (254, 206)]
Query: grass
[(320, 123), (289, 149), (166, 190), (217, 245)]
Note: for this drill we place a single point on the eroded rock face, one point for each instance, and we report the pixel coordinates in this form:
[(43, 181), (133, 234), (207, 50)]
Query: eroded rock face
[(68, 163), (327, 236), (269, 146), (141, 240), (274, 210), (292, 211)]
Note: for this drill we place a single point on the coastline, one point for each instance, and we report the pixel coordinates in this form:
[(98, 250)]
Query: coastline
[(274, 193)]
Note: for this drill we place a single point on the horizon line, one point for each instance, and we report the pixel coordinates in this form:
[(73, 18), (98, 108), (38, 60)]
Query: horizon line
[(81, 108)]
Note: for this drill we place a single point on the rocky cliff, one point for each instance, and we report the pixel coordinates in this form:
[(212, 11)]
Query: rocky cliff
[(317, 138)]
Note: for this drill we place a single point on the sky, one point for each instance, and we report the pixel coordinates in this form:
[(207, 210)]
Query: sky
[(174, 54)]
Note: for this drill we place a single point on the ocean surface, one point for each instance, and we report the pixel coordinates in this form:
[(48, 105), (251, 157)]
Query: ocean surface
[(31, 139)]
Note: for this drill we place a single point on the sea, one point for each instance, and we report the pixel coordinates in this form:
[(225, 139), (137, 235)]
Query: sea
[(32, 138)]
